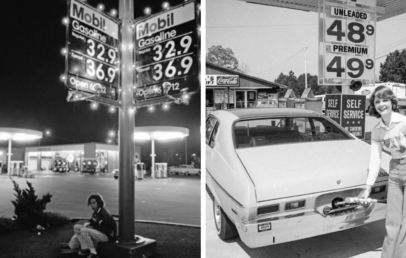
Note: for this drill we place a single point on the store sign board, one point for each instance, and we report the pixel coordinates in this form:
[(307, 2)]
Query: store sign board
[(223, 80), (166, 54), (347, 32), (348, 111), (92, 60)]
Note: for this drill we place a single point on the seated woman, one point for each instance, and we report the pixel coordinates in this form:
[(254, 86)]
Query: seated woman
[(100, 228)]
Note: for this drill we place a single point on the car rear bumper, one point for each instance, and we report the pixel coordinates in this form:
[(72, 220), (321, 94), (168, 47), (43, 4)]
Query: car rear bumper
[(305, 225)]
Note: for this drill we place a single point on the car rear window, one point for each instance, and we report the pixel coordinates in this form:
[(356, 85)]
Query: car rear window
[(286, 130)]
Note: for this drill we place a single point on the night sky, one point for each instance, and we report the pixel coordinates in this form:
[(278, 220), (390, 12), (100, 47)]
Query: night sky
[(33, 97)]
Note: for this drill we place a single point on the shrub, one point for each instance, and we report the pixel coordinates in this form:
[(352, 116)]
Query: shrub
[(28, 208), (52, 219), (7, 225)]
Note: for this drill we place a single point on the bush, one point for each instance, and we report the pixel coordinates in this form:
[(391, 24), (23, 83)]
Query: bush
[(7, 225), (52, 219), (28, 208)]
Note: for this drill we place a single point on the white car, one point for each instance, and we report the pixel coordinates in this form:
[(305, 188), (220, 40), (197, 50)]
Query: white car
[(185, 170), (279, 174)]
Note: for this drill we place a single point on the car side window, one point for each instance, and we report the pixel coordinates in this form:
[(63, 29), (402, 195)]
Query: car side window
[(210, 122), (213, 135)]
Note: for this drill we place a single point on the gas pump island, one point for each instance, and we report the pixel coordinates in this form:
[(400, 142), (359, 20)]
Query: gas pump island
[(347, 31), (127, 64)]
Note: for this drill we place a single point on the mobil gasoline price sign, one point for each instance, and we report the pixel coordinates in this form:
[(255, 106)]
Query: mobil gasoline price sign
[(166, 53), (347, 42), (92, 61)]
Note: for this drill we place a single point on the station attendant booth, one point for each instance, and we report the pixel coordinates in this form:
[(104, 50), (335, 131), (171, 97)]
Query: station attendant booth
[(228, 89)]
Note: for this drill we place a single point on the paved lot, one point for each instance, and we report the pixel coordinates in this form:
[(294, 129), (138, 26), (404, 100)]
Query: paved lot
[(174, 199)]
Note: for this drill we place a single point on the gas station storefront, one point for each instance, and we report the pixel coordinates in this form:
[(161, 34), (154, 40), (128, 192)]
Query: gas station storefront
[(42, 157), (227, 89)]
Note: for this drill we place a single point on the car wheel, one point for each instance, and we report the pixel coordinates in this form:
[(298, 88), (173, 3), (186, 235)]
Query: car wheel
[(116, 177), (186, 173), (225, 228)]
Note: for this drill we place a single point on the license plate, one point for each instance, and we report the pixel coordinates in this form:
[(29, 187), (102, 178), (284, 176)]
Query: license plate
[(264, 227)]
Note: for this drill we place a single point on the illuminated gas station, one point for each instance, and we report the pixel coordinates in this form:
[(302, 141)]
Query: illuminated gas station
[(159, 133), (17, 134)]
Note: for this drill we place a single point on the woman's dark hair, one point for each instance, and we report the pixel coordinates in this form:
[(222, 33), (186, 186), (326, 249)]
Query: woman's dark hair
[(97, 197), (382, 92)]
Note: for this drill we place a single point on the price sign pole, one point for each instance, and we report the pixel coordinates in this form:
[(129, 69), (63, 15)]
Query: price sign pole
[(126, 125)]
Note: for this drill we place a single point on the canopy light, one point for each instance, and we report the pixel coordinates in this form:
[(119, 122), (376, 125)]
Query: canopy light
[(64, 51), (112, 109), (151, 108), (17, 134), (160, 133)]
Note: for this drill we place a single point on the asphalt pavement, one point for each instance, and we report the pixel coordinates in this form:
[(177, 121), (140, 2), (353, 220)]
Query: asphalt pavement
[(171, 200)]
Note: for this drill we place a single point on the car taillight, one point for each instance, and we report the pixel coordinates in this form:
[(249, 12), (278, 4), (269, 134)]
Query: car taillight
[(295, 205), (268, 209), (378, 189)]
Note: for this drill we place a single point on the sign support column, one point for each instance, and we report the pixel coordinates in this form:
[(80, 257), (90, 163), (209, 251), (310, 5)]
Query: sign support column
[(126, 125), (9, 157)]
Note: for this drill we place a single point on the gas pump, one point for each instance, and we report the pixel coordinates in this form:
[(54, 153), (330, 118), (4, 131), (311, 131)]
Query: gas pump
[(140, 170)]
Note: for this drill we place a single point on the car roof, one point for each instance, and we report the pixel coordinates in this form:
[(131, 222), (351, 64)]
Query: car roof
[(235, 114)]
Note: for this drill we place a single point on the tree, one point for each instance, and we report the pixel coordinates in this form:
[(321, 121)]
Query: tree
[(394, 68), (224, 57), (297, 84)]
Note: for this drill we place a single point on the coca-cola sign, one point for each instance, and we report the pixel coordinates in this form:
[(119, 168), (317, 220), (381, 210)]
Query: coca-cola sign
[(223, 80)]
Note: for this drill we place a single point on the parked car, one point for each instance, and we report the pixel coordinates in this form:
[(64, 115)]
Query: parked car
[(276, 175), (186, 170), (140, 174)]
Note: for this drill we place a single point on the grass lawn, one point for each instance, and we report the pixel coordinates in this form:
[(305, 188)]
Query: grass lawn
[(172, 242)]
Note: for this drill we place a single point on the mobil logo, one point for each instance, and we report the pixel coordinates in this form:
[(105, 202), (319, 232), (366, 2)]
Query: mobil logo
[(86, 15), (169, 19)]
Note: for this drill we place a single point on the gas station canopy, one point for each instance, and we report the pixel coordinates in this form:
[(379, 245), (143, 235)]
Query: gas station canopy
[(160, 132), (385, 8), (17, 134)]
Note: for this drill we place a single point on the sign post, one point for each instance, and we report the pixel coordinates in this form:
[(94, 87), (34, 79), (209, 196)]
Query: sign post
[(126, 125)]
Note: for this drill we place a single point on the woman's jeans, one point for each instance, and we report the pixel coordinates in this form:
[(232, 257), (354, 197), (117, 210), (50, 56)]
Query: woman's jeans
[(394, 245)]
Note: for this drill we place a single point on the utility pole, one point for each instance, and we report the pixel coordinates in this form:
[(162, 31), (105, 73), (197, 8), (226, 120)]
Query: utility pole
[(126, 124), (305, 49)]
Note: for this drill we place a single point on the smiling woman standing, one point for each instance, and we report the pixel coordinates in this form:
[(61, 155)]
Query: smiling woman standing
[(389, 134)]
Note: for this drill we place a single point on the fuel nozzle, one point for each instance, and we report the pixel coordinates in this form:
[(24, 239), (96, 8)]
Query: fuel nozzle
[(356, 200)]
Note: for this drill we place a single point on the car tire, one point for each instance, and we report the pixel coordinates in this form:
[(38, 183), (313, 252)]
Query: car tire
[(116, 177), (225, 228), (187, 174)]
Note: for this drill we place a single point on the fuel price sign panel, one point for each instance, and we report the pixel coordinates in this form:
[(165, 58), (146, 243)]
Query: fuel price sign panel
[(92, 63), (167, 54), (347, 41)]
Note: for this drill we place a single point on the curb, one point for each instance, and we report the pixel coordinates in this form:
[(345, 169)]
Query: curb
[(146, 221)]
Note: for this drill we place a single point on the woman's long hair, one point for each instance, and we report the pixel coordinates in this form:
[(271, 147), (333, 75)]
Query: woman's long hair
[(382, 92), (99, 199)]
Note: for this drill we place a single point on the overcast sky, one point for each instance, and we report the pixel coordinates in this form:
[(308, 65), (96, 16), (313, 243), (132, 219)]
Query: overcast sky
[(270, 39)]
